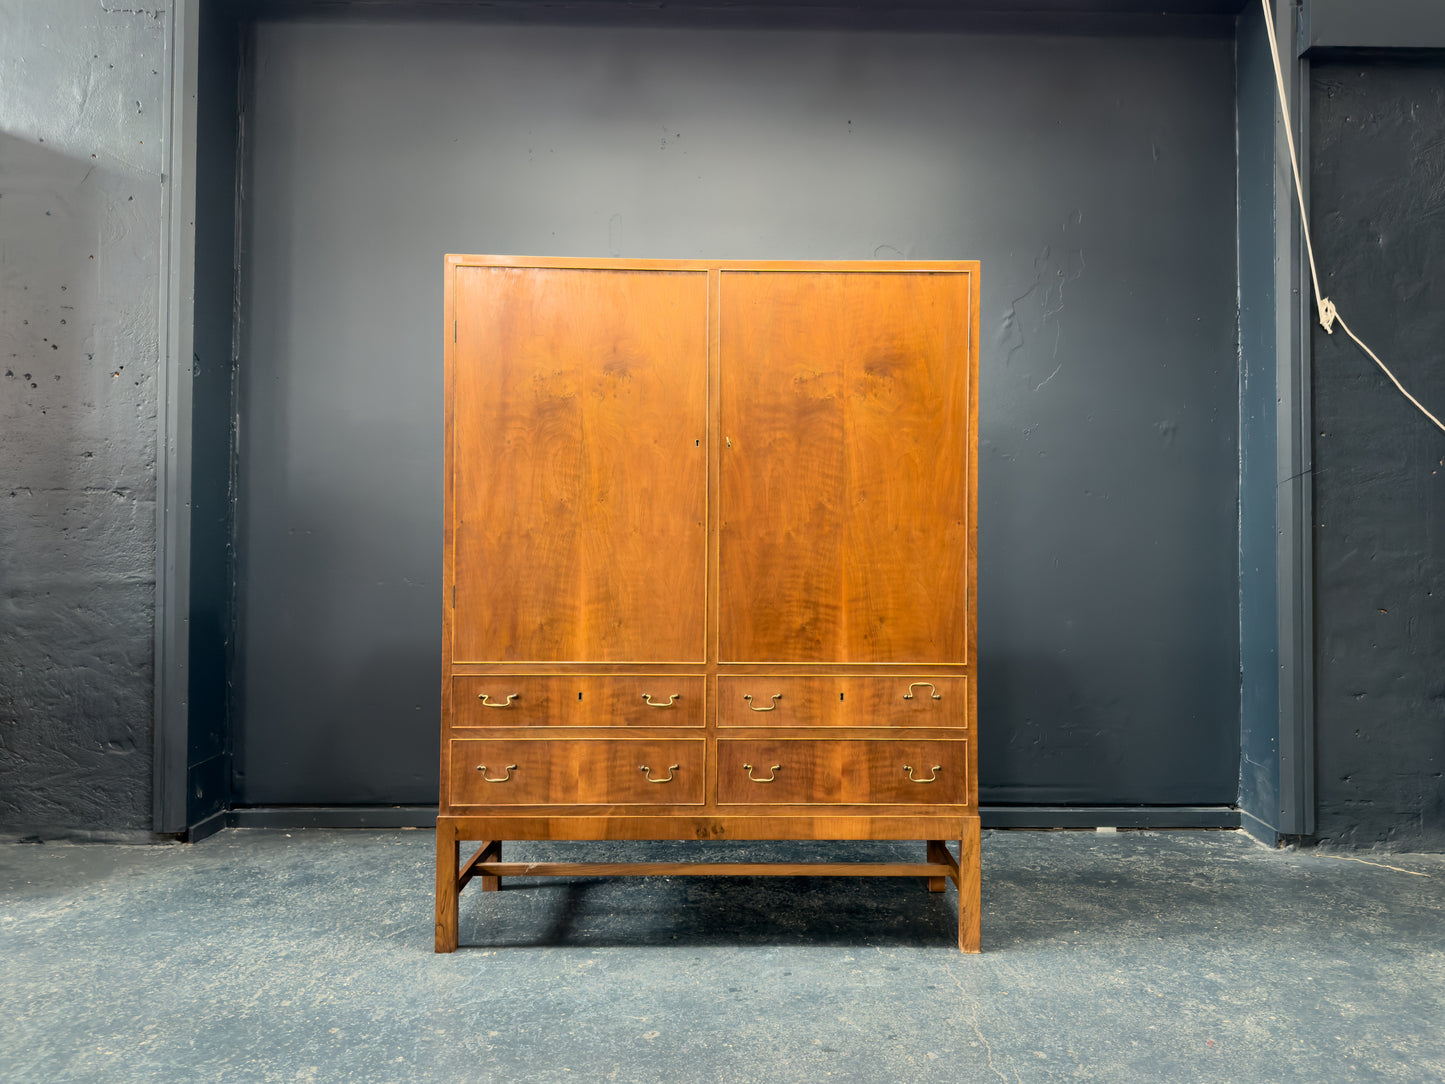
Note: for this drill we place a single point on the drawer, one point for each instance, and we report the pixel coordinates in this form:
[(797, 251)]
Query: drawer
[(539, 771), (809, 772), (577, 700), (906, 700)]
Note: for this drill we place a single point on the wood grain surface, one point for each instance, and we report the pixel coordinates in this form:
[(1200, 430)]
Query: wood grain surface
[(837, 772), (696, 482), (844, 481), (579, 471), (826, 700), (545, 771), (716, 869), (653, 700)]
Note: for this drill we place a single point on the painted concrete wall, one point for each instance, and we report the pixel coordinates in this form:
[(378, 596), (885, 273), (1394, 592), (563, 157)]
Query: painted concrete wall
[(1258, 446), (80, 201), (79, 260), (1378, 198), (1092, 173), (213, 419)]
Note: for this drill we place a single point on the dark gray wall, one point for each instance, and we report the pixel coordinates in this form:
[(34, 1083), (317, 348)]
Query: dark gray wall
[(81, 90), (1372, 24), (212, 579), (1094, 177), (1378, 170), (1257, 107)]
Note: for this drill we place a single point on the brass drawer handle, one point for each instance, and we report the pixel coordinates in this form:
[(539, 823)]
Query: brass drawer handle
[(749, 698), (648, 773), (488, 704), (647, 699), (918, 685), (936, 769), (774, 769), (502, 779)]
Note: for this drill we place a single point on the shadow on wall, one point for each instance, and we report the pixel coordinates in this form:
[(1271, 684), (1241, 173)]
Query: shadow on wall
[(78, 248)]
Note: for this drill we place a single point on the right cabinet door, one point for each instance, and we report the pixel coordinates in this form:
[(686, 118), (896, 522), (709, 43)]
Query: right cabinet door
[(844, 478)]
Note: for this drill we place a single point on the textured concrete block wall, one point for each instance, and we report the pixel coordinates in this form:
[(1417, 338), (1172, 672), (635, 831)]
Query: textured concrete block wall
[(81, 92), (1377, 192)]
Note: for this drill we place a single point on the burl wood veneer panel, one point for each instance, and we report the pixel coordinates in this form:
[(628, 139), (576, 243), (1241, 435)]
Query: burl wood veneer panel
[(844, 476), (579, 465)]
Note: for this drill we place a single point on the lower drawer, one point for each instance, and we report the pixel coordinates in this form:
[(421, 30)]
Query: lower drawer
[(809, 772), (623, 771)]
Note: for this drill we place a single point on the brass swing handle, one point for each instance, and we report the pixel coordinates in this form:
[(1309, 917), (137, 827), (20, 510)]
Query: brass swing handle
[(749, 698), (488, 704), (918, 685), (509, 769), (936, 769), (774, 769), (648, 773), (647, 699)]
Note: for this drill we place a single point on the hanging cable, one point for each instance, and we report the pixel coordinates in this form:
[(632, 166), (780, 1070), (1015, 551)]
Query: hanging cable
[(1329, 315)]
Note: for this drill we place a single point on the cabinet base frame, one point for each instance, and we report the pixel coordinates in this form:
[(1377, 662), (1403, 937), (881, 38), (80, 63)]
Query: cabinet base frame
[(486, 863)]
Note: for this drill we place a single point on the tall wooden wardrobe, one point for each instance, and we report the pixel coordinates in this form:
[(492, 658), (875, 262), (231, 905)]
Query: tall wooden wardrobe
[(710, 563)]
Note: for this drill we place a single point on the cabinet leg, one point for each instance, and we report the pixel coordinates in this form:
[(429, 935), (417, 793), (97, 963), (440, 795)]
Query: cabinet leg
[(970, 897), (493, 853), (935, 854), (448, 859)]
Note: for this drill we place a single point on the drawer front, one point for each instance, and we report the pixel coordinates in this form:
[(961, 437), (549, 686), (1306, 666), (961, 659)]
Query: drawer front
[(538, 771), (580, 700), (806, 772), (906, 700)]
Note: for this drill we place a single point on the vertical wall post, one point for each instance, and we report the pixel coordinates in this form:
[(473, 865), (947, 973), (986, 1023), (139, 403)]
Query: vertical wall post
[(173, 421), (1295, 507)]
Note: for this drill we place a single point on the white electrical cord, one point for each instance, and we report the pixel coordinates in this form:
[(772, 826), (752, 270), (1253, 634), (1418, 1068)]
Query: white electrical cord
[(1329, 316)]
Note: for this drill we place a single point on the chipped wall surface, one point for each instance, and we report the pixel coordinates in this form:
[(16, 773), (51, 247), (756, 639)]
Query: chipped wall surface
[(80, 240), (1378, 200)]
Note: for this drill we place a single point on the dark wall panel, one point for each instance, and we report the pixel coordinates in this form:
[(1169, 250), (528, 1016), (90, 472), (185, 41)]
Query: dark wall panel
[(1093, 176), (1377, 177), (1259, 781), (213, 413)]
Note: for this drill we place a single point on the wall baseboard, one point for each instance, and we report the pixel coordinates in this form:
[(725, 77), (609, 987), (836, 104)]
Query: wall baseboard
[(1257, 829), (994, 816), (123, 836), (1109, 816)]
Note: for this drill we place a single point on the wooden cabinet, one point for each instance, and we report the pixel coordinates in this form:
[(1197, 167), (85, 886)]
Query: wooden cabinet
[(709, 562)]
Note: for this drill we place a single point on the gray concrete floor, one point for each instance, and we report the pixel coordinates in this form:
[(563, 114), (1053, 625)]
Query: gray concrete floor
[(1137, 956)]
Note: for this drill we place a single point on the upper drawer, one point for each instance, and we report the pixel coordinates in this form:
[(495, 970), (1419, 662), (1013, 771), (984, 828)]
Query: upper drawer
[(577, 700), (906, 700)]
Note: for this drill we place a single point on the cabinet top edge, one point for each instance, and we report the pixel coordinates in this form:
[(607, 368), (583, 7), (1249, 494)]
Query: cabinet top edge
[(454, 260)]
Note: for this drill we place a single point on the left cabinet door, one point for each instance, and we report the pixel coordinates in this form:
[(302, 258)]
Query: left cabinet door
[(579, 464)]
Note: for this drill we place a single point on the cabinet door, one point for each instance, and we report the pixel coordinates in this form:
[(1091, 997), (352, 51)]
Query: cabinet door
[(579, 464), (844, 488)]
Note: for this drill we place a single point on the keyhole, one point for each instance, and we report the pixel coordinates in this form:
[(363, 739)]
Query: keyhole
[(840, 696), (579, 696)]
